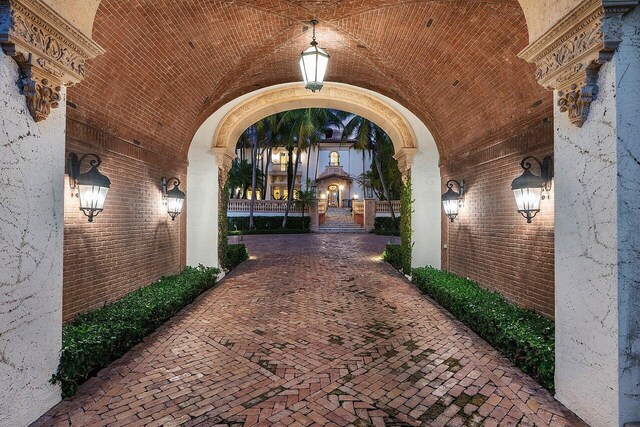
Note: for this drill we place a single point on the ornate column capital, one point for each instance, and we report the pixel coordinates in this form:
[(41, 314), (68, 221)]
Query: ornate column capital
[(225, 159), (405, 161), (50, 52), (569, 55)]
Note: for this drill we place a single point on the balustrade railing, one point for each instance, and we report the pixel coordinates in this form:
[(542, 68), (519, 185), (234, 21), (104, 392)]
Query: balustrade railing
[(358, 207), (382, 206), (262, 206)]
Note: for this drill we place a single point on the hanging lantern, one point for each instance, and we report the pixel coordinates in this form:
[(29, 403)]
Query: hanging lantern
[(92, 186), (174, 198), (313, 64), (451, 200), (529, 188)]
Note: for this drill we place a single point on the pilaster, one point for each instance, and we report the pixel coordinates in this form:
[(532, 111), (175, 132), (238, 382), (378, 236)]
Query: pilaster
[(569, 55), (50, 52)]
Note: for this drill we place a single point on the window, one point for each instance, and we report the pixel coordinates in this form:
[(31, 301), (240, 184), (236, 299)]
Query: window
[(334, 159)]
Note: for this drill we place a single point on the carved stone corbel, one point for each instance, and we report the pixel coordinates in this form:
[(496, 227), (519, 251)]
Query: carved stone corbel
[(405, 161), (50, 52), (569, 55)]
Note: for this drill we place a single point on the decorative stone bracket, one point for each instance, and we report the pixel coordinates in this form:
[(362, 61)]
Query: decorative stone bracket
[(50, 52), (405, 161), (569, 55)]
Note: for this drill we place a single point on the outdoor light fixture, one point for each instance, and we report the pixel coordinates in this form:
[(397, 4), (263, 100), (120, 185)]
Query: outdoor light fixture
[(92, 186), (174, 197), (355, 196), (313, 63), (452, 200), (529, 189)]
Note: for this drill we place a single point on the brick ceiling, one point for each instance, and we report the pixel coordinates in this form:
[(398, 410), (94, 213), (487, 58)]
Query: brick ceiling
[(169, 64)]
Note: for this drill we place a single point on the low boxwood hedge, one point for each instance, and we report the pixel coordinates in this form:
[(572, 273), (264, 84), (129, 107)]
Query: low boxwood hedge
[(267, 222), (236, 254), (393, 255), (387, 224), (523, 336), (270, 231), (95, 339)]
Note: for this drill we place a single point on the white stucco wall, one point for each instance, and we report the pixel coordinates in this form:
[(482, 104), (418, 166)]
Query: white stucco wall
[(597, 202), (202, 188), (32, 183)]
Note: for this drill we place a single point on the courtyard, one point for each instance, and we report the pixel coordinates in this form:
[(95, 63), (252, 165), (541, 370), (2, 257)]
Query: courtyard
[(325, 333)]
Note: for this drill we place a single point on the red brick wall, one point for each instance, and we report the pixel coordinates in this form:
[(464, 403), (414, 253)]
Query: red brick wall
[(133, 242), (489, 241)]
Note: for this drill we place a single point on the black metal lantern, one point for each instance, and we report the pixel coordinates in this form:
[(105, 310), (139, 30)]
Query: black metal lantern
[(313, 64), (92, 186), (174, 198), (529, 188), (452, 200)]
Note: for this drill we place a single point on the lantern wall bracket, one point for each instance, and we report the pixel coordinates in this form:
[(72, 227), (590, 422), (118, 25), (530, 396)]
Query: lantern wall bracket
[(165, 185), (73, 166), (546, 168)]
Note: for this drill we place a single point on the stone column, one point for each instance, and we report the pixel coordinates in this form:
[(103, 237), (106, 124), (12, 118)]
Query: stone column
[(597, 207), (369, 214), (41, 54), (313, 216)]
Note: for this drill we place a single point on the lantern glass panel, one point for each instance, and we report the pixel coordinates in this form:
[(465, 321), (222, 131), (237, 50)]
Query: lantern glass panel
[(451, 207), (174, 205), (92, 196), (528, 199)]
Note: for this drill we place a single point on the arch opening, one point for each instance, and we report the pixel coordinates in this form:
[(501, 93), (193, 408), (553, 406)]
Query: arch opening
[(213, 148)]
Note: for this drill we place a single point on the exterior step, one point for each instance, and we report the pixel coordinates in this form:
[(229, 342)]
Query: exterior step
[(340, 230)]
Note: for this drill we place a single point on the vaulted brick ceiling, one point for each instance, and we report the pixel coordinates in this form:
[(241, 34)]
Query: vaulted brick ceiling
[(169, 64)]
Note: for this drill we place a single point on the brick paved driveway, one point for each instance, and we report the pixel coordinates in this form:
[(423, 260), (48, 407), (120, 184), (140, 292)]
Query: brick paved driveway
[(313, 330)]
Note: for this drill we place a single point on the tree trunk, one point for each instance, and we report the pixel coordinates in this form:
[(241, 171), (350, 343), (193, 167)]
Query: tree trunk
[(384, 185), (254, 168), (315, 178), (289, 165), (291, 188), (308, 161)]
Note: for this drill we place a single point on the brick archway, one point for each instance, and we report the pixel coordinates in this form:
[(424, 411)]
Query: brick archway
[(212, 151)]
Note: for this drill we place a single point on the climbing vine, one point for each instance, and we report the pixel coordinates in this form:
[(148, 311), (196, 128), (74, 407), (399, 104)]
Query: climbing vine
[(223, 225), (406, 209)]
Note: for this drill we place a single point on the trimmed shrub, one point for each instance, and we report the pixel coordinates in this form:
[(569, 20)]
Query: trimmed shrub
[(387, 224), (268, 222), (95, 339), (272, 231), (235, 255), (523, 336), (393, 255), (386, 232)]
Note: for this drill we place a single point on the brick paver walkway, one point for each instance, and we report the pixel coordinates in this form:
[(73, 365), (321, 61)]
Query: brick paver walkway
[(314, 330)]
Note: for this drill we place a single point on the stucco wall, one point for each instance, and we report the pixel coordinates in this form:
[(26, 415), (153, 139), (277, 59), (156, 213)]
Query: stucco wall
[(597, 246), (31, 195)]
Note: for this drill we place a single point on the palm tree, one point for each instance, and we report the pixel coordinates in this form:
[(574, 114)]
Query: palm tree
[(305, 198), (370, 137), (240, 176), (304, 127)]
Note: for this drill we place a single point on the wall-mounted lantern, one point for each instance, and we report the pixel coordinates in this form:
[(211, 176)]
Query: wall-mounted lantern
[(529, 188), (92, 186), (355, 196), (174, 198), (313, 63), (452, 200)]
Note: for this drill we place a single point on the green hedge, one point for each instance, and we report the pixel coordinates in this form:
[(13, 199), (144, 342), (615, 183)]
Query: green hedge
[(386, 232), (272, 231), (387, 224), (523, 336), (393, 255), (95, 339), (236, 254), (267, 222)]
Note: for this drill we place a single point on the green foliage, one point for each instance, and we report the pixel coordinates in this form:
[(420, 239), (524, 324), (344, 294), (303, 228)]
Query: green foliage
[(95, 339), (236, 254), (267, 223), (270, 231), (406, 209), (523, 336), (393, 255), (223, 224), (386, 224), (240, 177)]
